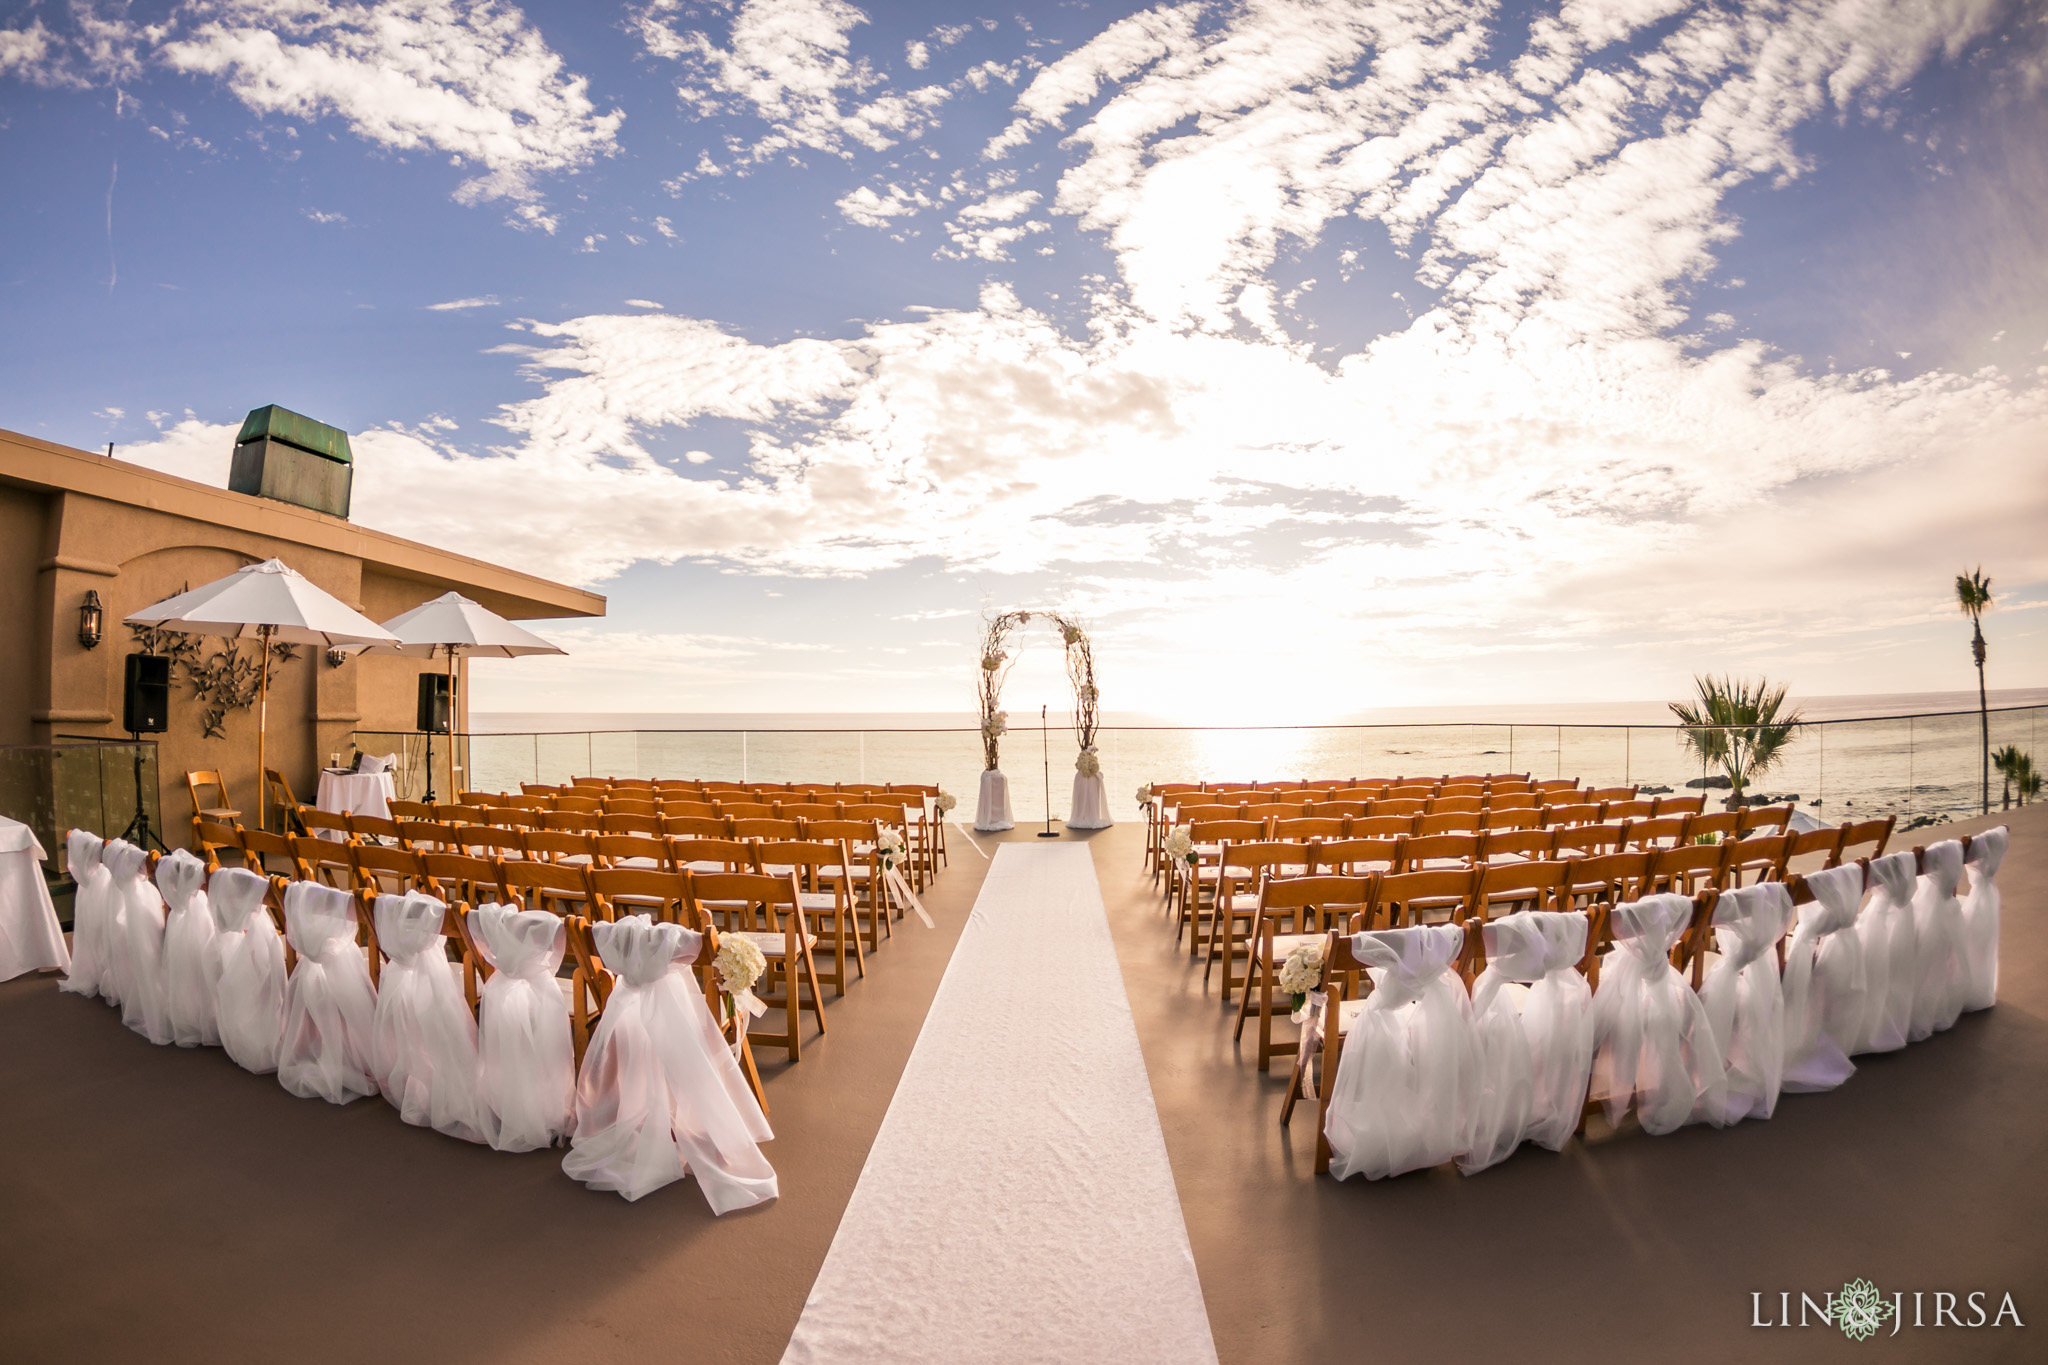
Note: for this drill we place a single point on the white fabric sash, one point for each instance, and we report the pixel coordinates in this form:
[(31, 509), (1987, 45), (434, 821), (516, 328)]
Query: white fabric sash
[(423, 1046), (188, 936), (1980, 919), (1409, 1070), (1891, 958), (329, 1003), (1556, 1013), (1938, 925), (529, 1060), (138, 943), (660, 1095), (31, 940), (246, 963), (903, 896), (91, 913), (1824, 982), (1745, 1002), (1653, 1045)]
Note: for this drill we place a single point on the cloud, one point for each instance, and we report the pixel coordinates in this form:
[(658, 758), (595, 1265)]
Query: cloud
[(642, 303), (467, 78), (869, 209), (455, 305), (787, 64)]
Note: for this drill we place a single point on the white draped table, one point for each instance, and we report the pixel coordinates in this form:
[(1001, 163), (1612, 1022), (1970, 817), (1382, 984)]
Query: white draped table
[(1090, 807), (992, 806), (30, 938), (1017, 1204), (354, 794)]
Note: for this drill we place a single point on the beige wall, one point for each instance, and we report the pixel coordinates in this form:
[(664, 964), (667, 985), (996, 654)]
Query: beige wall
[(21, 663)]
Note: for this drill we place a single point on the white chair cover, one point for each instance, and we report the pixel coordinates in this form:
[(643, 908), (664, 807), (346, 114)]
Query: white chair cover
[(992, 803), (1938, 926), (1745, 1002), (138, 951), (188, 939), (92, 912), (423, 1043), (1506, 1079), (660, 1093), (1652, 1043), (329, 1003), (1980, 919), (1891, 957), (31, 940), (246, 963), (1824, 982), (1557, 1019), (1409, 1069), (529, 1061)]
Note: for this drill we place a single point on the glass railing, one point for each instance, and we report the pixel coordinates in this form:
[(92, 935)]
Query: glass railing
[(1923, 768), (81, 784)]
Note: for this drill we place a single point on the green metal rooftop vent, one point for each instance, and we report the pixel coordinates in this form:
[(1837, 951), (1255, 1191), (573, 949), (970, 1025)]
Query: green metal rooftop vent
[(280, 454)]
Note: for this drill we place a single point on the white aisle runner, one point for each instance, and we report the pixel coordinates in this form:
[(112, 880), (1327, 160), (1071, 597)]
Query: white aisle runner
[(1017, 1204)]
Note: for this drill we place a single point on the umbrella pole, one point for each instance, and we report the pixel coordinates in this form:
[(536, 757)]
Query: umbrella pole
[(262, 725), (454, 792)]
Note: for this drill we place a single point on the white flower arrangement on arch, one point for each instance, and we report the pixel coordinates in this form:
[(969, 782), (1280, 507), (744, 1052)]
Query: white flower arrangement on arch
[(1089, 764)]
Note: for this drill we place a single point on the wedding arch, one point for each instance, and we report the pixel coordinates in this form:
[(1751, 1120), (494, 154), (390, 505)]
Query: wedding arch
[(1090, 808)]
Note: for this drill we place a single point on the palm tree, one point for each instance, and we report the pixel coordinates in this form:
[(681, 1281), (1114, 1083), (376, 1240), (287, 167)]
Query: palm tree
[(2026, 779), (1973, 596), (2008, 762), (1737, 727)]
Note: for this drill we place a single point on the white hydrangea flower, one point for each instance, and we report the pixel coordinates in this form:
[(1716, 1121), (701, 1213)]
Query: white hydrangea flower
[(1145, 794), (739, 963), (946, 802), (1180, 844), (1302, 972), (1088, 765)]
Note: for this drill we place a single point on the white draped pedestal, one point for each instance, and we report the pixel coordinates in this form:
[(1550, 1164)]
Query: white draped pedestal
[(1090, 808), (992, 808), (354, 794)]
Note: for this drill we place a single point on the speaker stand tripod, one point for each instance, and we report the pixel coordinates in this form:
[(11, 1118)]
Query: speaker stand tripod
[(138, 832)]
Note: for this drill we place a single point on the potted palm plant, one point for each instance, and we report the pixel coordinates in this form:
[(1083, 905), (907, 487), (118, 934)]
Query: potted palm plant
[(1973, 599), (1738, 726)]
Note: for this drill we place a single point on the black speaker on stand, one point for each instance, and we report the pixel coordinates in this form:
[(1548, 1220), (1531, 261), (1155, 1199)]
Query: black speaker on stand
[(435, 709), (145, 710)]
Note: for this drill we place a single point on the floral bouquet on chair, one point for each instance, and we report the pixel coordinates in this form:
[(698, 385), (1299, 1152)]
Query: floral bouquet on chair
[(1180, 845), (889, 845), (1301, 973), (1145, 794), (946, 802), (739, 963)]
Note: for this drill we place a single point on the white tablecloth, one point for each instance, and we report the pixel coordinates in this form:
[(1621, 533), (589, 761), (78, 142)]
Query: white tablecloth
[(31, 940), (355, 794)]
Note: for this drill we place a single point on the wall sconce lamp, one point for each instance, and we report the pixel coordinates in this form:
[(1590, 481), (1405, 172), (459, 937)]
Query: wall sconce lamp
[(91, 618), (336, 657)]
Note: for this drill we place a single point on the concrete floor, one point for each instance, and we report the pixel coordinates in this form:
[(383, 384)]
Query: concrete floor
[(164, 1205)]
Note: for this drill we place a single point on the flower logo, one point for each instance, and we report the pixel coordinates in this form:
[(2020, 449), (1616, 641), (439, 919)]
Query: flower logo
[(1860, 1310)]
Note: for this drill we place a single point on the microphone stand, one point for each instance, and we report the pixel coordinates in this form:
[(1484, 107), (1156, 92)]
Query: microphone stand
[(1045, 751)]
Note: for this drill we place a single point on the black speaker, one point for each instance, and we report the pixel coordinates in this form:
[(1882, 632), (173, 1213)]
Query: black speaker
[(146, 694), (435, 705)]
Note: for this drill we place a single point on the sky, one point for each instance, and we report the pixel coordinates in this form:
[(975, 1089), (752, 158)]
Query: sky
[(1322, 357)]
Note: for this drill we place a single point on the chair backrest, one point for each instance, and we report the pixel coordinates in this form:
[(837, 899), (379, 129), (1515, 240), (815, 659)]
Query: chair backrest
[(538, 789), (1876, 833), (1679, 868), (806, 810), (1354, 857), (391, 871), (411, 810), (537, 885), (484, 799), (763, 828), (659, 892), (558, 845), (1530, 845), (1680, 805), (459, 877), (1207, 813), (644, 784), (887, 812), (1827, 840), (613, 849), (674, 808), (746, 810), (494, 842), (711, 855), (1345, 810), (203, 780), (696, 827), (583, 803), (713, 893), (1585, 840), (1271, 810), (1457, 789), (459, 815), (808, 856), (313, 820), (373, 827), (1227, 831), (1407, 898), (1511, 800), (1776, 819), (421, 835), (266, 851), (1420, 849), (1304, 827), (640, 805), (323, 860), (1399, 805), (1604, 794), (1630, 810), (1759, 859), (1412, 791), (1501, 888), (1584, 813), (1722, 824), (1246, 863), (512, 817), (1448, 822), (1380, 826), (1557, 784), (1606, 878), (280, 789), (1336, 897), (569, 820), (1449, 805), (1662, 831), (211, 837), (1517, 818)]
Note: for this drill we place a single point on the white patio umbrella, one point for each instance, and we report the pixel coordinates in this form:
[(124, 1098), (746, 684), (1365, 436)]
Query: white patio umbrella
[(453, 625), (273, 603)]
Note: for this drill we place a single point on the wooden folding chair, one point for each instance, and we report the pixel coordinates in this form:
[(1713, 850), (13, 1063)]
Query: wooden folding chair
[(266, 853), (1423, 851), (826, 894), (1604, 794), (1823, 843), (1449, 822), (1499, 800), (696, 827), (458, 877), (1680, 805), (890, 814), (1876, 833), (1291, 912), (559, 846), (1722, 824), (1687, 868), (1353, 857), (1211, 838), (209, 793), (1628, 810), (1380, 826), (1504, 888), (775, 905), (1446, 804), (512, 817), (1506, 820), (655, 892), (411, 810), (315, 822), (386, 871), (1607, 878), (1585, 841), (1234, 911), (489, 841), (1343, 999), (578, 805), (1662, 831), (210, 838), (766, 827), (324, 861), (1587, 813), (281, 796), (1515, 845), (1759, 859), (1771, 819), (1402, 900), (1302, 828), (649, 852)]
